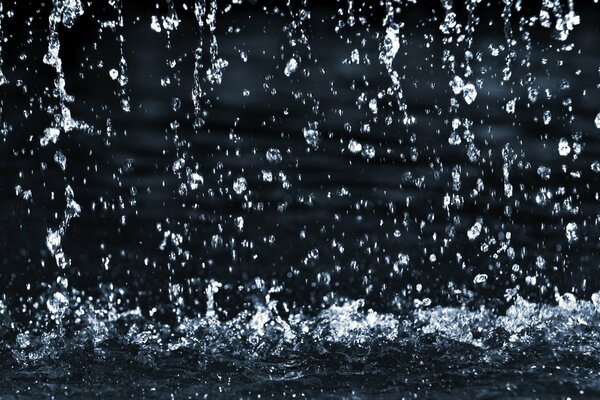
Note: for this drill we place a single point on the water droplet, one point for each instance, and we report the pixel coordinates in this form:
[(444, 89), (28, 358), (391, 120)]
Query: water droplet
[(178, 164), (480, 278), (457, 85), (474, 231), (450, 20), (171, 21), (567, 301), (373, 106), (125, 106), (469, 93), (290, 67), (572, 232), (57, 305), (312, 137), (368, 151), (596, 301), (355, 57), (239, 223), (544, 172), (155, 24), (53, 241), (547, 117), (456, 123), (60, 159), (195, 180), (543, 196), (240, 185), (563, 147), (175, 103), (216, 241), (454, 139), (510, 106), (273, 156), (50, 135), (354, 146), (114, 74)]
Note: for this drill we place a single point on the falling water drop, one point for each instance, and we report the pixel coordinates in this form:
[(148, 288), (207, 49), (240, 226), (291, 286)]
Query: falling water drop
[(57, 305), (240, 185), (312, 137), (474, 231), (273, 156), (469, 93), (290, 67), (571, 231), (563, 147)]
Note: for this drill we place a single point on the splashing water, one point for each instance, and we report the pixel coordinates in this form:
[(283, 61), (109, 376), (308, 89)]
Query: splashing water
[(345, 199)]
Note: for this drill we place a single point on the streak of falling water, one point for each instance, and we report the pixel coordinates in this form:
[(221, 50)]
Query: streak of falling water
[(389, 50), (3, 80), (197, 93), (64, 12), (122, 76)]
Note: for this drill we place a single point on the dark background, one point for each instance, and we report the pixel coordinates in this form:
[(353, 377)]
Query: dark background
[(125, 171)]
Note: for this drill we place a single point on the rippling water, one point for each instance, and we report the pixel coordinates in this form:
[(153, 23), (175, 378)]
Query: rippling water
[(531, 350), (346, 199)]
